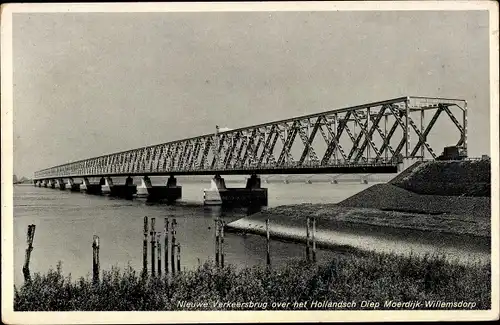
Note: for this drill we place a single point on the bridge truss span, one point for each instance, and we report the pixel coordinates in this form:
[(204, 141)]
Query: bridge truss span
[(373, 138)]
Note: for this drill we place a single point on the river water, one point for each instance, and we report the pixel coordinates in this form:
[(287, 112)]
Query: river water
[(66, 222)]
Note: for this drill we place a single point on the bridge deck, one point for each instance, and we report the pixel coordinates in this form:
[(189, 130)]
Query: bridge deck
[(345, 169)]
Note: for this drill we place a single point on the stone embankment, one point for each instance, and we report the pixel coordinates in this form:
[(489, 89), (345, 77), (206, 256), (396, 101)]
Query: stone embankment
[(436, 196)]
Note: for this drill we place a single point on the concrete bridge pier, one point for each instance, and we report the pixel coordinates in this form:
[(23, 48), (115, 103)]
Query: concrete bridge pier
[(52, 183), (106, 187), (170, 191), (90, 188), (60, 184), (126, 190), (83, 186), (219, 194), (72, 186)]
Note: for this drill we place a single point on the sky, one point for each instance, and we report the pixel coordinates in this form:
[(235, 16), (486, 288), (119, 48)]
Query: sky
[(88, 84)]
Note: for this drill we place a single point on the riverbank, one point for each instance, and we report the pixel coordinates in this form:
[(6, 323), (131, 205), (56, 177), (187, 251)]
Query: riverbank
[(347, 278), (414, 200), (289, 222)]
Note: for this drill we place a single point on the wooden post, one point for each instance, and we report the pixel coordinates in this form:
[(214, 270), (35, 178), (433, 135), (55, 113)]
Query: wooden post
[(145, 248), (153, 242), (29, 248), (178, 257), (172, 255), (158, 245), (308, 258), (222, 242), (217, 246), (268, 256), (166, 245), (314, 240), (95, 259)]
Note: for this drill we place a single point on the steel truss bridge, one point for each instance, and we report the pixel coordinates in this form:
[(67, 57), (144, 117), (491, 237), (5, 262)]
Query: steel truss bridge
[(369, 138)]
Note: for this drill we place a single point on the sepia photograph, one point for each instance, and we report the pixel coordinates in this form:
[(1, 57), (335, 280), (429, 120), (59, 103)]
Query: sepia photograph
[(221, 162)]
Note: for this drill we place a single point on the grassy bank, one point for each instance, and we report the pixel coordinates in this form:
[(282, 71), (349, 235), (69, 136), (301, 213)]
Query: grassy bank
[(288, 222), (347, 278), (449, 197), (470, 178), (391, 197)]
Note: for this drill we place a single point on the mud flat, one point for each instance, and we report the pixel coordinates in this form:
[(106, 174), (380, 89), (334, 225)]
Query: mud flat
[(433, 197)]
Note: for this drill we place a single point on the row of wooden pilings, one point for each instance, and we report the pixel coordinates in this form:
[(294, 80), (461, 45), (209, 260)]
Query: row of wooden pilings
[(156, 248), (175, 247), (170, 232), (310, 241)]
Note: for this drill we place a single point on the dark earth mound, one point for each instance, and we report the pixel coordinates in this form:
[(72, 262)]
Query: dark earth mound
[(449, 178)]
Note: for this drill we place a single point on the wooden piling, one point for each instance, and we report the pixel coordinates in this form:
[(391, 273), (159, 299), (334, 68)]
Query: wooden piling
[(29, 248), (145, 248), (314, 240), (308, 258), (268, 255), (217, 246), (172, 255), (166, 245), (153, 242), (222, 243), (95, 259), (158, 245), (178, 258)]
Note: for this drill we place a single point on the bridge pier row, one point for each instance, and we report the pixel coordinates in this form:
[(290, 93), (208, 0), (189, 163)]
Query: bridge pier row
[(126, 190), (72, 186), (219, 194), (90, 188), (169, 192)]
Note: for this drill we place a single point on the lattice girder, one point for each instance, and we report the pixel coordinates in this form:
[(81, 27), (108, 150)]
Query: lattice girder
[(353, 136)]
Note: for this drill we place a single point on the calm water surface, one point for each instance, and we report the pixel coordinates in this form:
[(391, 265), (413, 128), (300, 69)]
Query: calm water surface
[(66, 222)]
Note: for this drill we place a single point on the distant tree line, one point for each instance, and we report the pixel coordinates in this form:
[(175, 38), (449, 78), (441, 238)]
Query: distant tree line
[(22, 180)]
